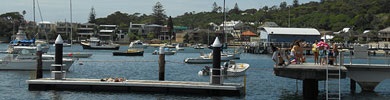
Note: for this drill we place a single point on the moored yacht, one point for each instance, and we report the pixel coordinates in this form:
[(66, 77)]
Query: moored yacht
[(20, 40), (26, 59), (95, 43)]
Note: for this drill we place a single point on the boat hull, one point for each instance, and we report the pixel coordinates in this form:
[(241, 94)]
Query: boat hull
[(203, 60), (28, 65), (128, 53), (77, 55), (238, 69), (100, 47)]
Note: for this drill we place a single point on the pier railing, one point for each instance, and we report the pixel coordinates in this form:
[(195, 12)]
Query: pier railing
[(359, 53)]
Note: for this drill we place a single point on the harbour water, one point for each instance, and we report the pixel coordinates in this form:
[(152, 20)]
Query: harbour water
[(261, 83)]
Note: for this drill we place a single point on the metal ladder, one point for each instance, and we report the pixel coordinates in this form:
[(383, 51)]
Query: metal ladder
[(333, 77)]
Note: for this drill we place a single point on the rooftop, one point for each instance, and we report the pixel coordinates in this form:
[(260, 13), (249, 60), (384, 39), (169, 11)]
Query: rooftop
[(291, 31)]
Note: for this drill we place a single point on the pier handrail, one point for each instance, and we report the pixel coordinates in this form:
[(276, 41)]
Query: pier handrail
[(363, 52)]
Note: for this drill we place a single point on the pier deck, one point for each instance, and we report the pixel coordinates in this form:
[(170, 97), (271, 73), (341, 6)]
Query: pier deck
[(177, 87), (307, 71), (310, 74)]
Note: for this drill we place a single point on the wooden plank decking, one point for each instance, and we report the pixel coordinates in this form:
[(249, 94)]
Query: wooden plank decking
[(177, 87)]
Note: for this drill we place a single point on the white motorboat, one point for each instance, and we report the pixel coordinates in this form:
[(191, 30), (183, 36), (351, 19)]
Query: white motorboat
[(198, 46), (167, 51), (75, 54), (207, 59), (229, 69), (178, 48), (95, 43), (64, 45), (137, 44), (27, 60), (236, 55)]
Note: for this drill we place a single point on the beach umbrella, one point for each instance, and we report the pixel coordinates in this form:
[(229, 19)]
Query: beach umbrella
[(322, 43)]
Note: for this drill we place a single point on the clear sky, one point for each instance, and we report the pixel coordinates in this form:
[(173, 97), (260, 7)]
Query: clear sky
[(59, 10)]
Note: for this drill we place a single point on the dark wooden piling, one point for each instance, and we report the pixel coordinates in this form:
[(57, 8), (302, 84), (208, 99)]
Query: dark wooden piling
[(216, 73), (58, 53), (310, 89), (39, 62), (352, 86), (161, 65)]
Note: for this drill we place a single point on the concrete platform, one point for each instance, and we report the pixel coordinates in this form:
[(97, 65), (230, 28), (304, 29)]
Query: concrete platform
[(148, 86), (368, 76), (310, 74), (307, 71)]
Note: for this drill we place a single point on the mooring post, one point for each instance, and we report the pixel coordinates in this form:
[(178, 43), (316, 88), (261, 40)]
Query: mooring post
[(161, 64), (58, 52), (216, 78), (310, 89), (58, 73), (352, 86), (39, 62)]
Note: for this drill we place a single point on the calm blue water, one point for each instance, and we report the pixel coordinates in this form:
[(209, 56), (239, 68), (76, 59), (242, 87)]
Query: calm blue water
[(262, 84)]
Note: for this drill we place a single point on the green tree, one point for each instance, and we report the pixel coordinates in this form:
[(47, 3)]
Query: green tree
[(132, 36), (150, 36), (170, 28), (158, 14), (283, 5), (92, 16), (235, 10), (215, 8), (295, 3)]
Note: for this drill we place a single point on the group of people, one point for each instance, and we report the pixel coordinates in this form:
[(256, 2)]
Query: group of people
[(322, 53), (282, 57)]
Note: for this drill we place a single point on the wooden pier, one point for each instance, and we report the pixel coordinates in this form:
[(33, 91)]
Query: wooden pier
[(310, 74), (146, 86)]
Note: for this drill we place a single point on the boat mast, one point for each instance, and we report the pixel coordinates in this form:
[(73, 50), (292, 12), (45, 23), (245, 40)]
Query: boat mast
[(34, 10), (224, 21), (71, 23)]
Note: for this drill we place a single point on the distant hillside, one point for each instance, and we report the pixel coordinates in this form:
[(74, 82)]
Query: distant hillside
[(325, 15)]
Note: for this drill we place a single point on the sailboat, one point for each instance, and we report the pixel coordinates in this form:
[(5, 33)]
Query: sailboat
[(20, 40)]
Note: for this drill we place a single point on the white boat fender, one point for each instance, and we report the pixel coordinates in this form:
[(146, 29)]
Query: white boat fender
[(200, 73)]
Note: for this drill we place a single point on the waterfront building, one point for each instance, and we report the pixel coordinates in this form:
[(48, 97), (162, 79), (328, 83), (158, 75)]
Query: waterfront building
[(153, 29), (63, 28), (85, 31), (229, 28), (180, 32), (107, 32), (46, 28), (279, 34), (137, 29), (384, 34)]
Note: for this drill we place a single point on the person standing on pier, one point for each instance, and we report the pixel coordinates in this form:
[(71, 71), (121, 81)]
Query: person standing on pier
[(315, 52), (276, 56), (333, 55), (323, 47)]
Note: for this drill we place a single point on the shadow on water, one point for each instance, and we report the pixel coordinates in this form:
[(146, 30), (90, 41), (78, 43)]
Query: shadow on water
[(289, 95), (365, 96)]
